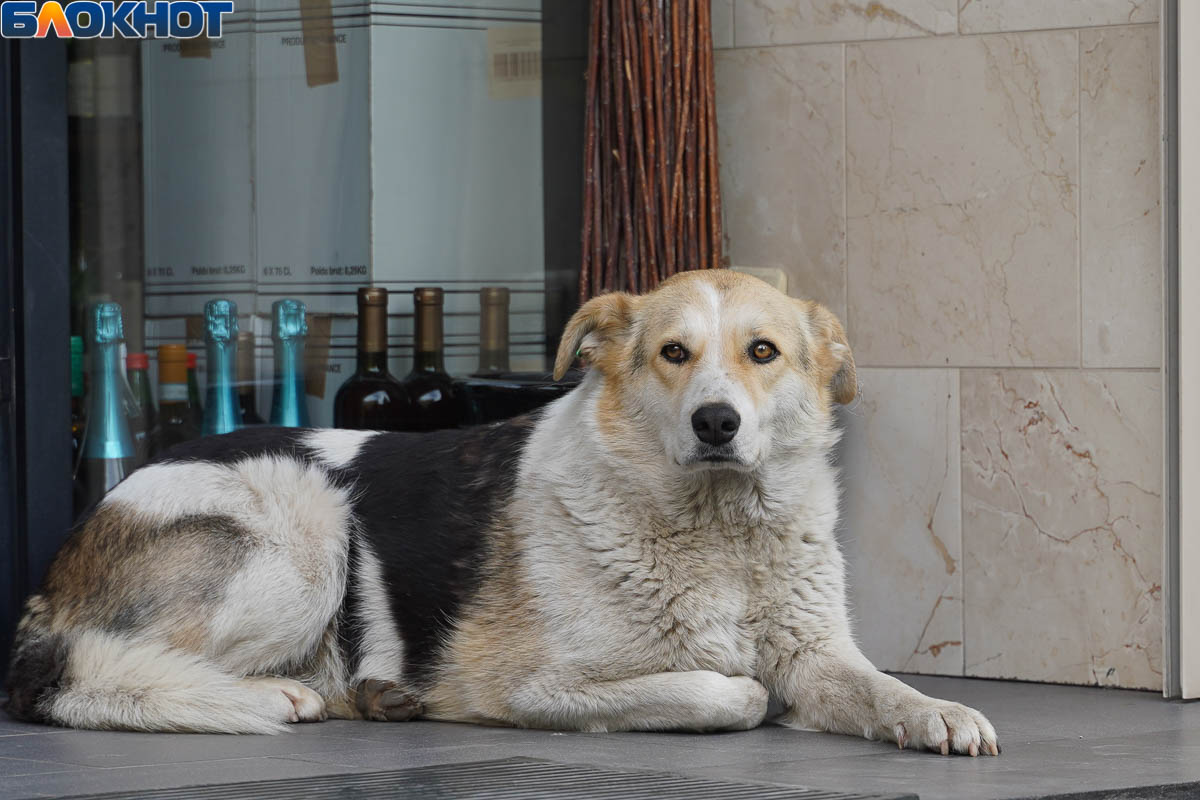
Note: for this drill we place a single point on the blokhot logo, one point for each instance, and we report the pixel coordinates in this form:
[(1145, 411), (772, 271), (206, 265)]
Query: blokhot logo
[(108, 19)]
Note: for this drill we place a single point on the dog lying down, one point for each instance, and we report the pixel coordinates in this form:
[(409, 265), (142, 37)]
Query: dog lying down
[(653, 551)]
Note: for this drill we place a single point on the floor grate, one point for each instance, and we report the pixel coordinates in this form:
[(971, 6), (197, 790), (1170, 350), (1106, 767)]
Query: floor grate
[(507, 779)]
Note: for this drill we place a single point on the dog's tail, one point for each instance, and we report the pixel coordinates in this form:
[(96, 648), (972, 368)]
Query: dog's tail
[(103, 681)]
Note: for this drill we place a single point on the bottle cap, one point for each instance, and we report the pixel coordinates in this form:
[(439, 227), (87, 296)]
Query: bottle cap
[(137, 361), (288, 319), (220, 321), (427, 295), (372, 296), (493, 296), (172, 363), (107, 327), (191, 360)]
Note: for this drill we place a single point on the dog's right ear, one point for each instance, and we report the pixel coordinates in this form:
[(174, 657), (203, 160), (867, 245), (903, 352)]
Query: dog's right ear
[(597, 325)]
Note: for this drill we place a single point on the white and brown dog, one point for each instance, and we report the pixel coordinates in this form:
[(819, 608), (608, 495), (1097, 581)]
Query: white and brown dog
[(653, 551)]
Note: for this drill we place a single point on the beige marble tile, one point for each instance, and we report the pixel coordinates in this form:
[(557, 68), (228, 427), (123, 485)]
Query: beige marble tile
[(901, 524), (1062, 526), (761, 22), (722, 24), (1120, 184), (779, 112), (986, 16), (962, 171)]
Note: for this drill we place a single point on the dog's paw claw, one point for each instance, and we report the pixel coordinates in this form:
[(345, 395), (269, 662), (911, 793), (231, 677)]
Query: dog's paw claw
[(945, 728)]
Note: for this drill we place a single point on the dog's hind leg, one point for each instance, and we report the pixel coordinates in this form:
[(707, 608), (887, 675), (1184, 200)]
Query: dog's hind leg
[(110, 682), (693, 701)]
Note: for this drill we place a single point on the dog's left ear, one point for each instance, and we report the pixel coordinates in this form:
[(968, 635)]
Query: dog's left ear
[(597, 325), (837, 361)]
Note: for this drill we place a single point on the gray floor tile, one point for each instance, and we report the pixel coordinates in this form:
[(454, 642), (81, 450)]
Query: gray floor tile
[(1055, 738), (12, 767), (120, 749), (1037, 712), (128, 779)]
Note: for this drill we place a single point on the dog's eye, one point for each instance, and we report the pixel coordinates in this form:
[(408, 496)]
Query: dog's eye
[(674, 353), (762, 352)]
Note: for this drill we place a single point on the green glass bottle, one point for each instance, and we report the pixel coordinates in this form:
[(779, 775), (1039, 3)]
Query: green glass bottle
[(78, 412), (108, 449), (137, 366), (221, 411), (193, 388), (246, 389), (289, 331), (175, 419)]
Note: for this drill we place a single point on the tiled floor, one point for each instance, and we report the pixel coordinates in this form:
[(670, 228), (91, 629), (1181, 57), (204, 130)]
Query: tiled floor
[(1057, 740)]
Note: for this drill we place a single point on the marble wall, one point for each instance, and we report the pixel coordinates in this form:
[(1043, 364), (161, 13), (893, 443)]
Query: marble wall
[(973, 186)]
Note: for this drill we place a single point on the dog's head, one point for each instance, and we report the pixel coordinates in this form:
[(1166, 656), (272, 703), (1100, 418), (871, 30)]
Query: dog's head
[(712, 370)]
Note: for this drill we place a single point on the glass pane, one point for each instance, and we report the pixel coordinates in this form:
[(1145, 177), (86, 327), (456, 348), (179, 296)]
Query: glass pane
[(306, 153)]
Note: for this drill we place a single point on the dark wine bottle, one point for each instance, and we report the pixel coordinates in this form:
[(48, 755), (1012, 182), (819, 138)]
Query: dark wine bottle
[(193, 387), (137, 366), (371, 399), (289, 406), (176, 422), (436, 403), (493, 331), (494, 392), (247, 389), (221, 412), (108, 449)]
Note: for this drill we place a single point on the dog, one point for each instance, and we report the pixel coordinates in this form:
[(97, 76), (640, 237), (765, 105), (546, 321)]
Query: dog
[(653, 551)]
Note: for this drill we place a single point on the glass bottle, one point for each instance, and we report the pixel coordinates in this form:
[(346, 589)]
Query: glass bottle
[(176, 422), (288, 332), (137, 366), (221, 411), (193, 387), (78, 413), (494, 392), (493, 331), (247, 389), (371, 398), (108, 449), (435, 400)]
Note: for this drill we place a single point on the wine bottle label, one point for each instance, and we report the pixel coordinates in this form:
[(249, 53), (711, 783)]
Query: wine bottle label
[(172, 393)]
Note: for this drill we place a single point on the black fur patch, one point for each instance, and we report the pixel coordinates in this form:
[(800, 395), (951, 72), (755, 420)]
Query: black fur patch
[(349, 616), (35, 675), (229, 448), (425, 504)]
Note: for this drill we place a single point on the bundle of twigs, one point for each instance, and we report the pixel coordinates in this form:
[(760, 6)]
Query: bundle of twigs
[(651, 196)]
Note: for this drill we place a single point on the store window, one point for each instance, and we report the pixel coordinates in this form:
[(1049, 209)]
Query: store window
[(230, 197)]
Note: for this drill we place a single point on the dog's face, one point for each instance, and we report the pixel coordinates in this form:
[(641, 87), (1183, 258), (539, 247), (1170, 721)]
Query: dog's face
[(712, 370)]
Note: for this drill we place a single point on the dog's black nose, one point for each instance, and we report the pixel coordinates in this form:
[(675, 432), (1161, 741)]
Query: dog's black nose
[(716, 423)]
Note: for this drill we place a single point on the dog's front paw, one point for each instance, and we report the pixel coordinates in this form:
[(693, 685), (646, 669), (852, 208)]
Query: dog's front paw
[(750, 703), (946, 728)]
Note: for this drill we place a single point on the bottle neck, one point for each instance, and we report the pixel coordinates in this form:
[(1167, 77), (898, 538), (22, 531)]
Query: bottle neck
[(372, 338), (493, 336), (288, 405), (108, 435), (428, 351), (429, 361), (221, 411), (139, 382), (372, 362), (493, 362), (76, 374)]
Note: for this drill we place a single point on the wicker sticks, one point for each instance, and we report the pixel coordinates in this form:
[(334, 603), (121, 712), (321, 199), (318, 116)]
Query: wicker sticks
[(651, 194)]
